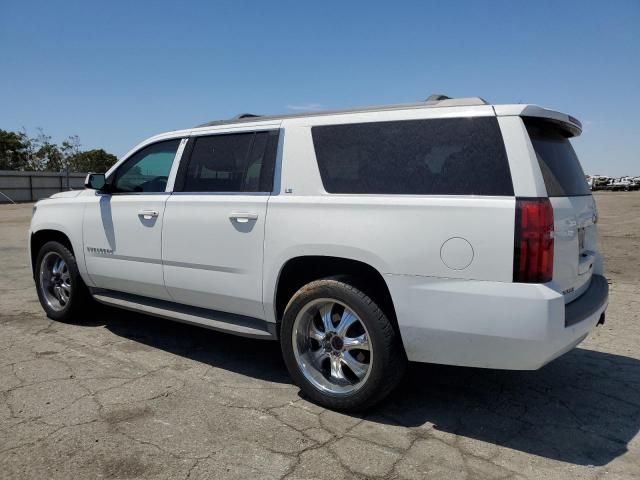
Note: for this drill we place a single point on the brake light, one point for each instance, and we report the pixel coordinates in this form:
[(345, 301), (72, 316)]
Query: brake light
[(533, 247)]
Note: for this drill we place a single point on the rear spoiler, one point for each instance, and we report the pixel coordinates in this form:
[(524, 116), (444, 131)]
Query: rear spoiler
[(569, 124)]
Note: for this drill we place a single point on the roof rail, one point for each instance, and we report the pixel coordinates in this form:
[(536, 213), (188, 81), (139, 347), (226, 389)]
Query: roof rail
[(435, 100), (440, 100), (235, 118), (244, 115), (436, 97)]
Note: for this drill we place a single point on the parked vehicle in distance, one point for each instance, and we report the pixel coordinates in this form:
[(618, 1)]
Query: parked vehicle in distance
[(601, 182), (448, 231), (597, 182), (626, 184)]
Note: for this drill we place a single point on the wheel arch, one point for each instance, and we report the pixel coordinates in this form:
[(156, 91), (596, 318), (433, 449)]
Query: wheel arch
[(40, 237), (300, 270)]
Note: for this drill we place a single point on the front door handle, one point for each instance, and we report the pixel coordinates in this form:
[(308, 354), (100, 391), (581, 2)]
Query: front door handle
[(243, 217), (148, 214)]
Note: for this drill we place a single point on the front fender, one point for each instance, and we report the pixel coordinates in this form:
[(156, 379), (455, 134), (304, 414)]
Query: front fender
[(64, 215)]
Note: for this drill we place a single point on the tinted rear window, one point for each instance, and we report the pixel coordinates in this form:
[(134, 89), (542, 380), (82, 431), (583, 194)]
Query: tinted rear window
[(453, 156), (561, 170), (236, 162)]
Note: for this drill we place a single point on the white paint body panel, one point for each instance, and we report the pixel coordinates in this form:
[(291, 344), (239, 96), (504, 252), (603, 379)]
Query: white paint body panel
[(463, 311), (571, 270), (122, 248), (212, 260), (63, 212), (525, 171), (415, 228), (512, 326)]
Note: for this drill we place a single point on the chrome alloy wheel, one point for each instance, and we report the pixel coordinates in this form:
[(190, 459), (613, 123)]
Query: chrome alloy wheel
[(331, 345), (55, 281)]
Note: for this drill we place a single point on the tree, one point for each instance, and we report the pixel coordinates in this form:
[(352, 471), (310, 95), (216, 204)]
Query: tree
[(45, 155), (50, 158), (96, 160), (19, 151), (70, 147), (13, 150)]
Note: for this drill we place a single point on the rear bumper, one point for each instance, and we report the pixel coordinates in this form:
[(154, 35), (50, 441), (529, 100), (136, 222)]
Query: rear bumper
[(589, 303), (513, 326)]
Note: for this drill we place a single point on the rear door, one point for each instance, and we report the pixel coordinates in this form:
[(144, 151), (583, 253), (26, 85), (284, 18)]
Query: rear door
[(214, 222), (574, 211)]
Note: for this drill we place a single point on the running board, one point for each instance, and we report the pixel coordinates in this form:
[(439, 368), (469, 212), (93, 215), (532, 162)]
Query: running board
[(213, 319)]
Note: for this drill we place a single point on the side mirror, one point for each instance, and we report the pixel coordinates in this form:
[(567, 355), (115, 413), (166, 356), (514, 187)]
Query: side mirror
[(95, 181)]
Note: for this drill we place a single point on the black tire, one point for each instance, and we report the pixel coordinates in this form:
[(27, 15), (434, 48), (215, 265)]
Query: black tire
[(79, 296), (389, 361)]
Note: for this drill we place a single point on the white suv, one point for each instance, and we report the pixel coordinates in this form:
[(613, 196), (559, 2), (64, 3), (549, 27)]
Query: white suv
[(448, 231)]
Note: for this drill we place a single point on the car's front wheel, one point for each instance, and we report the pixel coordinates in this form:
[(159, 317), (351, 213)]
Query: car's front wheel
[(61, 291), (339, 346)]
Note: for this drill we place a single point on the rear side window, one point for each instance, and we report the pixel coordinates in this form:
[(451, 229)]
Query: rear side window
[(451, 156), (238, 162), (561, 170)]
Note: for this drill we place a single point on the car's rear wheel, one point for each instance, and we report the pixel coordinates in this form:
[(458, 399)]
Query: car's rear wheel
[(339, 346), (60, 288)]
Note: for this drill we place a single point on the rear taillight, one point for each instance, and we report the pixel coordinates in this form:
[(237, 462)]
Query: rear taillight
[(533, 247)]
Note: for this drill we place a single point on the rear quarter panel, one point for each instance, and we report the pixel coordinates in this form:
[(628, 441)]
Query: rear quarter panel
[(396, 234)]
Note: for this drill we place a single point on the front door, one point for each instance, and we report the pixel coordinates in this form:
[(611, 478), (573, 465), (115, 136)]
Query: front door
[(213, 233), (122, 229)]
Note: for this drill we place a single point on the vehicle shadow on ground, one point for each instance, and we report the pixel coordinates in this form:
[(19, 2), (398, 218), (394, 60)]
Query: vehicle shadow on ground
[(583, 408), (260, 359)]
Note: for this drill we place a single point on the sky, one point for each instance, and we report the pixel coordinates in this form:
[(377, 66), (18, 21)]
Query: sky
[(117, 72)]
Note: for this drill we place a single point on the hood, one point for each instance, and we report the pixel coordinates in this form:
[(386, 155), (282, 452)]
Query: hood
[(67, 194)]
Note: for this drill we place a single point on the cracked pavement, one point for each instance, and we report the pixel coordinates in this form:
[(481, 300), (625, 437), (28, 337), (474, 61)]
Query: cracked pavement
[(123, 395)]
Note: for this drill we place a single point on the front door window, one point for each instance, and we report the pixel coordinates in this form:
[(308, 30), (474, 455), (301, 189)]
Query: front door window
[(146, 170)]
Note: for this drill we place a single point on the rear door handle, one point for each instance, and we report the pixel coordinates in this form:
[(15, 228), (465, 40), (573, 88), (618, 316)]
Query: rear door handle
[(243, 217), (148, 214)]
